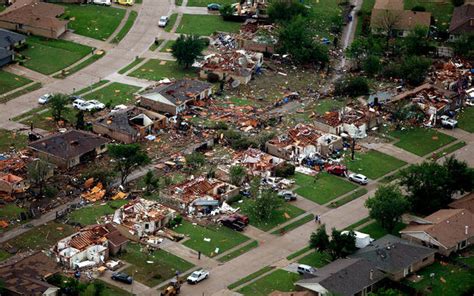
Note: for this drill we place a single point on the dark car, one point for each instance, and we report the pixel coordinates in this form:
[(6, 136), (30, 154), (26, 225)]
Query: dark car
[(233, 224), (213, 6), (122, 277)]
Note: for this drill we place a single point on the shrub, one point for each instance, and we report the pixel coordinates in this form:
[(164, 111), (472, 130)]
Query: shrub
[(285, 171), (418, 8)]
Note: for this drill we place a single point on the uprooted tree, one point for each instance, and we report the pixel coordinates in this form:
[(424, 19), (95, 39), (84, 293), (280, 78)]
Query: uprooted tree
[(127, 158)]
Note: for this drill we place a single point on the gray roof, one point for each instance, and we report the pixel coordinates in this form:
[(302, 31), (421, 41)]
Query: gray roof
[(391, 254), (118, 121), (180, 91), (345, 276), (4, 53), (7, 38)]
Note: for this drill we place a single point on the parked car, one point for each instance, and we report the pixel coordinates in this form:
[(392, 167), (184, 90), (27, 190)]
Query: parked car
[(236, 217), (102, 2), (44, 99), (163, 21), (198, 276), (82, 105), (126, 2), (338, 170), (122, 277), (448, 122), (118, 108), (287, 195), (233, 224), (359, 178), (97, 105), (305, 269), (75, 97), (213, 6)]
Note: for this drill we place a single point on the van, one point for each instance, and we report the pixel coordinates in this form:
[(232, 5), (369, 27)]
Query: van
[(305, 269), (125, 2), (102, 2)]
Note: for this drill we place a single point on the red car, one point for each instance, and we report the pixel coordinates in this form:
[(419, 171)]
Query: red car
[(338, 170)]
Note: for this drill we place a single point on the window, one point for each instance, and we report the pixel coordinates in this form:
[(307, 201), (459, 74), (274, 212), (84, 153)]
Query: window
[(462, 245)]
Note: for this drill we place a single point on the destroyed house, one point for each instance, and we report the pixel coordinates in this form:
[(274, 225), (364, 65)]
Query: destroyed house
[(8, 42), (27, 276), (69, 149), (256, 37), (232, 65), (256, 163), (174, 97), (355, 122), (447, 230), (303, 141), (143, 217), (34, 17), (129, 125), (11, 184), (200, 192)]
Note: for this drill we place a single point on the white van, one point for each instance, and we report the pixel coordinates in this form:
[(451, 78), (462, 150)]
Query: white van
[(305, 269), (102, 2)]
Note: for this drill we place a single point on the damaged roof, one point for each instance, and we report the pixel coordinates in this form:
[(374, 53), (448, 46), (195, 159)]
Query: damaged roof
[(178, 92), (234, 62), (462, 15), (123, 120), (300, 135)]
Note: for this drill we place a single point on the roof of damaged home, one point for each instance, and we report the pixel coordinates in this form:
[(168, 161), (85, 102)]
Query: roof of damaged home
[(128, 119), (86, 237), (177, 92), (140, 210), (235, 62), (200, 187), (70, 144), (427, 94), (301, 135), (9, 178), (257, 159), (461, 15)]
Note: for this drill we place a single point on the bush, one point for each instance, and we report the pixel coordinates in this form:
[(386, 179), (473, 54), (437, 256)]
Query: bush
[(371, 65), (50, 192), (352, 87), (414, 69), (175, 222), (392, 70), (285, 171), (418, 8), (234, 199)]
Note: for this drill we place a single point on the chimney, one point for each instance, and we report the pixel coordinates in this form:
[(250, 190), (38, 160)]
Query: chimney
[(466, 230), (371, 275)]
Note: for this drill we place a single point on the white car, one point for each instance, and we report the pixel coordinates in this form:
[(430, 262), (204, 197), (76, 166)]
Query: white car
[(97, 105), (102, 2), (359, 178), (118, 108), (198, 276), (82, 105), (448, 122), (163, 21), (44, 98)]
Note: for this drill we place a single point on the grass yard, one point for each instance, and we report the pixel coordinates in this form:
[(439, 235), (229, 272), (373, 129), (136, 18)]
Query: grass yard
[(324, 12), (98, 22), (327, 105), (128, 25), (323, 188), (315, 259), (10, 211), (205, 25), (373, 164), (12, 139), (376, 231), (294, 225), (164, 265), (420, 141), (89, 214), (299, 253), (167, 47), (115, 94), (4, 255), (16, 94), (92, 59), (238, 252), (155, 45), (449, 150), (285, 213), (448, 280), (92, 87), (222, 237), (358, 223), (9, 82), (441, 10), (171, 22), (44, 120), (112, 290), (203, 3), (280, 280), (466, 119), (346, 199), (50, 56), (250, 277), (365, 10), (130, 66), (157, 70)]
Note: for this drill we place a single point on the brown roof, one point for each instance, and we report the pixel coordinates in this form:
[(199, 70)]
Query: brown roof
[(88, 236), (35, 14), (399, 19), (9, 178), (462, 15), (299, 293), (389, 4), (466, 202), (447, 226), (116, 238)]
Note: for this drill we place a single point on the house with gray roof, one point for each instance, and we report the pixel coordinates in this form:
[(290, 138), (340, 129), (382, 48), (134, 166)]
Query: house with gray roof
[(8, 42)]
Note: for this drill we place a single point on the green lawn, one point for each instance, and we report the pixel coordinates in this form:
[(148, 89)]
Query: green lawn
[(203, 3), (376, 231), (323, 188), (11, 211), (358, 223), (250, 277), (315, 259), (98, 22), (355, 195), (115, 94), (324, 12), (205, 25), (4, 255), (168, 45), (171, 22), (285, 213), (280, 280), (157, 70), (294, 225), (50, 56), (448, 280), (373, 164), (130, 66), (89, 214), (45, 120), (327, 105), (9, 82), (466, 119), (223, 238), (365, 9), (238, 252), (12, 139), (92, 87), (92, 59), (299, 253), (441, 10), (449, 150), (155, 45), (128, 25), (420, 141), (163, 267), (111, 290), (16, 94)]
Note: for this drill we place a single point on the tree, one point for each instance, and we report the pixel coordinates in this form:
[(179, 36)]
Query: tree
[(151, 182), (297, 39), (385, 292), (341, 245), (57, 104), (353, 87), (464, 46), (237, 174), (195, 160), (372, 65), (226, 11), (265, 205), (319, 240), (457, 3), (186, 49), (282, 11), (80, 124), (38, 172), (101, 174), (387, 206), (461, 176), (415, 68), (89, 291), (417, 43), (127, 157)]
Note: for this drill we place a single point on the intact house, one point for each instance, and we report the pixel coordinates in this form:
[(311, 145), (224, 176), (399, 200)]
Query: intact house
[(91, 246), (28, 275), (345, 277), (447, 230), (9, 41), (34, 17), (303, 141), (462, 21), (200, 194), (129, 125), (174, 97), (142, 217), (69, 149), (396, 257), (236, 66), (12, 184), (467, 202), (389, 17)]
